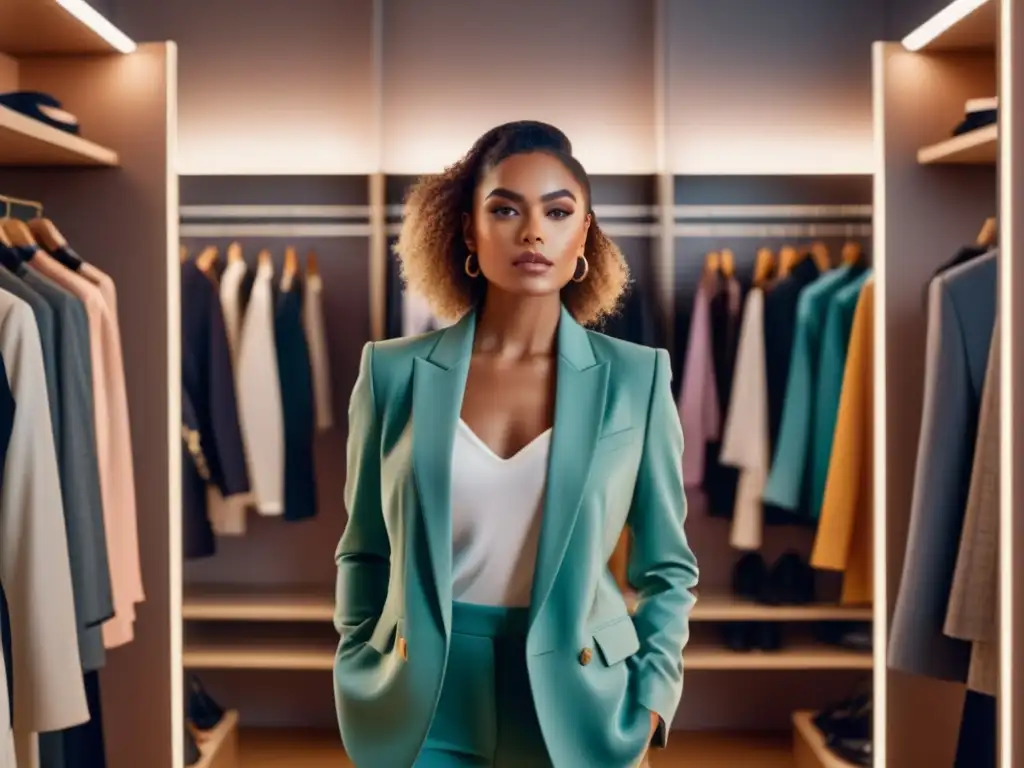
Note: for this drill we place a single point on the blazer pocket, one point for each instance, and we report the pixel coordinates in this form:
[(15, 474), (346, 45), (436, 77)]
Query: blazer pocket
[(382, 640), (617, 641), (618, 439)]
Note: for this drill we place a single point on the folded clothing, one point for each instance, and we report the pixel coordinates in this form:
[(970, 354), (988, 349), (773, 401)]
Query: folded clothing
[(42, 107)]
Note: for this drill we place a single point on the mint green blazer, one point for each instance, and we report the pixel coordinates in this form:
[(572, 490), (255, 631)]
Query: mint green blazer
[(615, 460)]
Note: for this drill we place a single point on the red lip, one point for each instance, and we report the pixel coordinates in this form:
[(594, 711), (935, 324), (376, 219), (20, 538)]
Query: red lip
[(531, 257)]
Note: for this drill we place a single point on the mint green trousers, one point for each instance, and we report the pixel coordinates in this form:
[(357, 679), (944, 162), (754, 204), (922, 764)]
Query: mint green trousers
[(485, 716)]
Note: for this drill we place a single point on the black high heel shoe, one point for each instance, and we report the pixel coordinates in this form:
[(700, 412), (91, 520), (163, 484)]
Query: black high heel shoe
[(202, 711)]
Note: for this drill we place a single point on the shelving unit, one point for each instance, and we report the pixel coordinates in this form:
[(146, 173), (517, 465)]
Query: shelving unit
[(123, 168), (28, 142), (809, 750), (219, 747), (933, 193), (975, 148)]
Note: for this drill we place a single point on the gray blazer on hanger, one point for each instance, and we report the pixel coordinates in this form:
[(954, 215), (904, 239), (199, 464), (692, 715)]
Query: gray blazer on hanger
[(961, 316), (973, 609)]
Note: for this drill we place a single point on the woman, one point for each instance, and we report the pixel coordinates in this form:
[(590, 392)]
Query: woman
[(492, 466)]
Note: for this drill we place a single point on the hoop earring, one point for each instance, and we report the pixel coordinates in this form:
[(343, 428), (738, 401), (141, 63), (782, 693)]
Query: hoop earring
[(586, 269), (469, 271)]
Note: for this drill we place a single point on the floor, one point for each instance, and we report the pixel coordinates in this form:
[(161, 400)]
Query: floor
[(299, 749)]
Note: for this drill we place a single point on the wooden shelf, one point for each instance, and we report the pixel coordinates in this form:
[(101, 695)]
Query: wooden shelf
[(28, 142), (272, 748), (44, 27), (977, 31), (809, 750), (978, 147), (219, 747), (307, 654), (316, 605)]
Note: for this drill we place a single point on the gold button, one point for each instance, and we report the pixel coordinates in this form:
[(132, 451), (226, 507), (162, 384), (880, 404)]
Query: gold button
[(585, 656), (403, 649)]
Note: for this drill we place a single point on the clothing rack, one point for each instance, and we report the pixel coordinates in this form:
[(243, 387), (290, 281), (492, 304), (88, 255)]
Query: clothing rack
[(275, 221), (10, 202)]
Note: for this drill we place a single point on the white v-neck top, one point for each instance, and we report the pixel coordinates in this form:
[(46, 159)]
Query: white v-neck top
[(496, 516)]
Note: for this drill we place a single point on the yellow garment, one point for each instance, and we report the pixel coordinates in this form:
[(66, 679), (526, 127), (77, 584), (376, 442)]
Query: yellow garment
[(844, 538)]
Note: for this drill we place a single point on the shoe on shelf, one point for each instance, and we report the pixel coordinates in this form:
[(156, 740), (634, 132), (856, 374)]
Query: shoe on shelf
[(202, 710), (856, 751), (192, 753), (738, 636), (768, 636), (750, 576), (790, 581)]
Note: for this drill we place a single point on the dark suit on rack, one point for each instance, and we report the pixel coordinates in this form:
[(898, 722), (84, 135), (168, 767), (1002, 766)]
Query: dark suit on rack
[(208, 380), (296, 374), (961, 318)]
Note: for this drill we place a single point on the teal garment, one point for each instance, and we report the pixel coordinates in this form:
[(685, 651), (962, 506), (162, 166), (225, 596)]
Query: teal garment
[(831, 368), (786, 486), (486, 716), (593, 669)]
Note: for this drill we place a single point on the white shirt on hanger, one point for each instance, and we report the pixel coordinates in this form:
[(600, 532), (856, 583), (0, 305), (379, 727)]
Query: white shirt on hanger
[(496, 516), (745, 441), (259, 396)]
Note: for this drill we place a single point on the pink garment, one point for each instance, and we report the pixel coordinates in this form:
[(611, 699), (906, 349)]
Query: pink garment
[(122, 433), (119, 630), (699, 409)]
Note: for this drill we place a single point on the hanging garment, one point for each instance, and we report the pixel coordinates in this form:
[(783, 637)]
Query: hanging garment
[(635, 321), (745, 438), (121, 430), (780, 309), (228, 515), (34, 566), (725, 313), (789, 477), (961, 316), (297, 406), (259, 395), (835, 339), (116, 490), (973, 611), (698, 400), (90, 574), (316, 337), (207, 376), (844, 538)]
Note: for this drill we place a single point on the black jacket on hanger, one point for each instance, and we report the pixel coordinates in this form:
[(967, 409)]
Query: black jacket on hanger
[(208, 383), (296, 376)]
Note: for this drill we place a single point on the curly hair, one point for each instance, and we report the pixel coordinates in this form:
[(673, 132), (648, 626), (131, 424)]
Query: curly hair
[(432, 252)]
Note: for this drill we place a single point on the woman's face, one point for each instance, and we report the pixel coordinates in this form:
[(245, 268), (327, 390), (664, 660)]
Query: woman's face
[(529, 225)]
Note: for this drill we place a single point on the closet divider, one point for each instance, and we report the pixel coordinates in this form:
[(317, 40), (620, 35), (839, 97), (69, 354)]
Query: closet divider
[(933, 194), (112, 191), (1011, 298)]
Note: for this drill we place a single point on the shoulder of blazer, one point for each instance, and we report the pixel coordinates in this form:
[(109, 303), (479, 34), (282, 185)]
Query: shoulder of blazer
[(393, 360), (627, 359)]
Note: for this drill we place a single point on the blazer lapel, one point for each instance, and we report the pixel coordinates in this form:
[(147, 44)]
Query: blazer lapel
[(439, 381), (580, 390)]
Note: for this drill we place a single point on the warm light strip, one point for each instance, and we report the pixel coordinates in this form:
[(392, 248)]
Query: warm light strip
[(99, 24), (880, 589), (955, 12), (1007, 300)]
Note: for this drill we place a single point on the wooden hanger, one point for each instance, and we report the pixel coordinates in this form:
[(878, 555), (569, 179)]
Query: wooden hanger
[(852, 253), (713, 262), (789, 257), (727, 264), (4, 239), (291, 266), (265, 259), (17, 231), (989, 232), (764, 266), (207, 258), (312, 267), (819, 252), (234, 252), (183, 253), (47, 234)]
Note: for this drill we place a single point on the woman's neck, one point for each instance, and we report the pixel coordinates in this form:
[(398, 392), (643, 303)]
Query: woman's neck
[(516, 327)]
